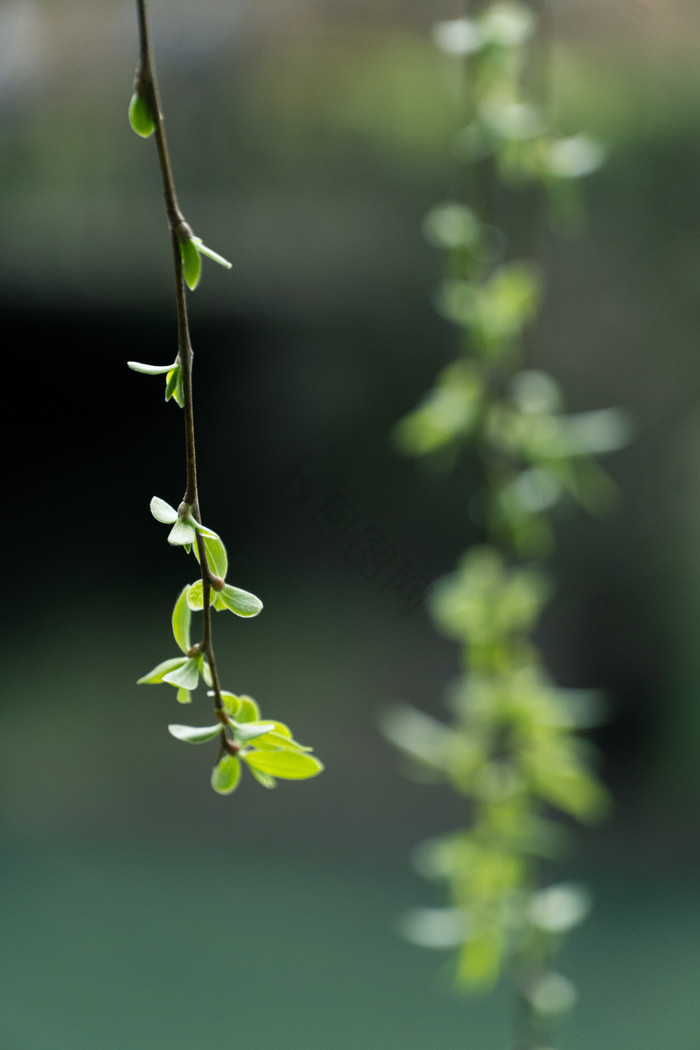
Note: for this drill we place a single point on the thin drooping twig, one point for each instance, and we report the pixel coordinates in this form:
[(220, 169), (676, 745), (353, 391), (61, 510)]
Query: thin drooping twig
[(146, 85)]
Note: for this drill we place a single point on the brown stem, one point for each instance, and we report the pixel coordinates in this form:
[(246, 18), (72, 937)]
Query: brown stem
[(146, 85)]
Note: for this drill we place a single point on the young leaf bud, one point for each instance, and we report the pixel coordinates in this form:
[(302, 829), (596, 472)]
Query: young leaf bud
[(191, 263), (140, 116)]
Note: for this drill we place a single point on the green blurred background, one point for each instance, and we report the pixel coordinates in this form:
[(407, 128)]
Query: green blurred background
[(309, 139)]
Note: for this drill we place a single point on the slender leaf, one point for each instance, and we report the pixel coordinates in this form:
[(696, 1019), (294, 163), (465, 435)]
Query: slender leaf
[(195, 734), (214, 256), (191, 263), (204, 531), (216, 556), (171, 381), (150, 370), (280, 736), (250, 730), (181, 621), (288, 765), (179, 394), (156, 676), (264, 779)]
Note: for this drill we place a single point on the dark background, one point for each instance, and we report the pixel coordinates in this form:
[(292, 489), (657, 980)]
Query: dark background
[(308, 142)]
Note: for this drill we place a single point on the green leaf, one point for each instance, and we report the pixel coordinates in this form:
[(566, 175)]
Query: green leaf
[(180, 389), (195, 734), (216, 555), (162, 511), (452, 226), (214, 256), (448, 412), (557, 909), (481, 957), (156, 676), (203, 531), (231, 702), (551, 994), (181, 533), (171, 381), (150, 370), (264, 779), (183, 696), (174, 386), (248, 710), (288, 765), (191, 263), (226, 774), (250, 730), (181, 621), (280, 736), (140, 116), (195, 595), (242, 603), (186, 676)]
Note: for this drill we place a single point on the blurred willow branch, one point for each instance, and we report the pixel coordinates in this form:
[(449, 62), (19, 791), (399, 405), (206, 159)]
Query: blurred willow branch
[(513, 747)]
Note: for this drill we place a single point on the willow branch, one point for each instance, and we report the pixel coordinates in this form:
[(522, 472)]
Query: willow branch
[(146, 85)]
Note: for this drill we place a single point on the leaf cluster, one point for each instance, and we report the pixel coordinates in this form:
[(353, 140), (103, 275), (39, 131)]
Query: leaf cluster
[(512, 746), (268, 747)]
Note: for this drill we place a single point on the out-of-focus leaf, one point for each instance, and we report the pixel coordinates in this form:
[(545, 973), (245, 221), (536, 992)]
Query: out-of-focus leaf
[(249, 731), (226, 775), (287, 765), (195, 734), (248, 710)]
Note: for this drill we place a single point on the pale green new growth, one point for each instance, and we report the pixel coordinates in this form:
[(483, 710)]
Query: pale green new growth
[(267, 747), (192, 735), (214, 256), (150, 370), (140, 117), (190, 250), (242, 603), (226, 775), (511, 745), (191, 263)]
